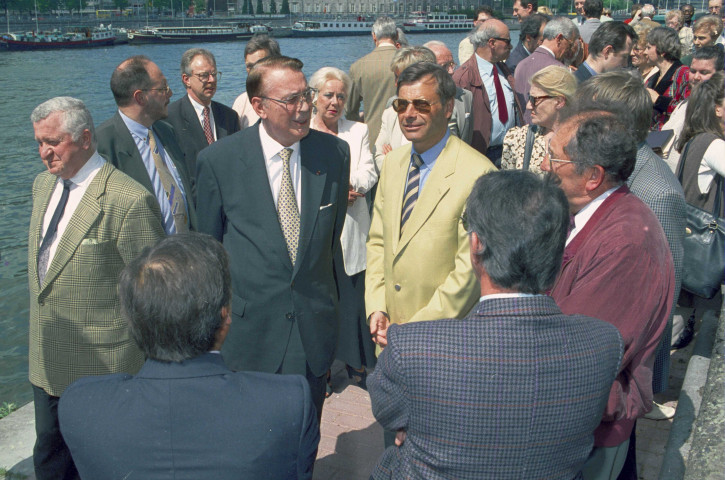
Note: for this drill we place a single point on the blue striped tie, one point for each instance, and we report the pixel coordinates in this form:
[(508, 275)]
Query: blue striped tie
[(411, 189)]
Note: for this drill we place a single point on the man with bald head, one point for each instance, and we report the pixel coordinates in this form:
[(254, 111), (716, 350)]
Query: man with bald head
[(617, 267), (486, 76)]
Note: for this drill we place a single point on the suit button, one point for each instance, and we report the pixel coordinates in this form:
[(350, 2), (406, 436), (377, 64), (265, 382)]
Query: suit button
[(41, 303), (397, 287), (290, 316)]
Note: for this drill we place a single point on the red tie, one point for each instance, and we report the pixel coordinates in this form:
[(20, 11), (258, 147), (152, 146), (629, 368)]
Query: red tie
[(503, 113), (206, 124)]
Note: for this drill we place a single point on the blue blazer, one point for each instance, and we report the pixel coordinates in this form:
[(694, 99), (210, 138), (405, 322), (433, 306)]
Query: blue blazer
[(514, 390), (190, 420), (269, 295), (516, 55)]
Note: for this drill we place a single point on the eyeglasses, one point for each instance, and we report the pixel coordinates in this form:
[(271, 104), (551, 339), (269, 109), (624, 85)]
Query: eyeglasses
[(296, 100), (536, 101), (548, 157), (204, 76), (507, 40), (165, 89), (400, 105), (448, 65)]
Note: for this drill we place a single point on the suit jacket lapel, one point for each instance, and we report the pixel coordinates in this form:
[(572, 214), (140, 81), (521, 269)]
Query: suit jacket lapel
[(191, 123), (313, 177), (396, 203), (436, 187), (219, 121), (80, 223), (36, 225), (129, 159)]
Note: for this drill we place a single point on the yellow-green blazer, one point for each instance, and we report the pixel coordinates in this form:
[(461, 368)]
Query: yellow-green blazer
[(76, 327)]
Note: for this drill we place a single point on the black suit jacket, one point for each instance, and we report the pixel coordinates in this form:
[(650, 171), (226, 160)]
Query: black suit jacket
[(116, 144), (582, 74), (516, 55), (269, 295), (190, 420), (189, 134)]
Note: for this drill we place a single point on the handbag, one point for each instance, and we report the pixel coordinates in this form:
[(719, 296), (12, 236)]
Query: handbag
[(704, 245)]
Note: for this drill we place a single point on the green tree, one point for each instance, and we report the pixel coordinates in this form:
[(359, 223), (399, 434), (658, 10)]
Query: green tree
[(199, 6), (260, 7), (272, 6), (285, 8)]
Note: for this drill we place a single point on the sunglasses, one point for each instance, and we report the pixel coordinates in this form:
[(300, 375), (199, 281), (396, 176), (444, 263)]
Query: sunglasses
[(400, 105)]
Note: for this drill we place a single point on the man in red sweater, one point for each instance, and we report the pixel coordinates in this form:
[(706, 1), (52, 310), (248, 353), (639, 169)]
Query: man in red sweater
[(617, 267)]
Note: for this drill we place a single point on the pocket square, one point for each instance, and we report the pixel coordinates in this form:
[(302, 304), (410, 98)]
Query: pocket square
[(89, 241), (322, 207)]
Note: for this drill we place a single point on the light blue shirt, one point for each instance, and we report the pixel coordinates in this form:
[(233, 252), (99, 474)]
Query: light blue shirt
[(498, 130), (429, 159), (139, 133)]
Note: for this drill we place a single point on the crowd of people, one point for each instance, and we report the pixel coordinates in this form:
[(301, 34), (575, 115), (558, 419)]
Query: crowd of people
[(493, 249)]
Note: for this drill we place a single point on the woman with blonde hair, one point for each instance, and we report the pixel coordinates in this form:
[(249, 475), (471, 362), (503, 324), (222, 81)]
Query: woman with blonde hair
[(675, 19), (354, 346), (552, 91)]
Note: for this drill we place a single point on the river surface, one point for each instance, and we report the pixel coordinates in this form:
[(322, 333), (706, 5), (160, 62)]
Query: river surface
[(29, 78)]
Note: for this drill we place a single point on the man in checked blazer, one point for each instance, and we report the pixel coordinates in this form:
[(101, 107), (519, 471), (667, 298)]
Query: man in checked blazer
[(515, 389), (89, 220), (200, 77)]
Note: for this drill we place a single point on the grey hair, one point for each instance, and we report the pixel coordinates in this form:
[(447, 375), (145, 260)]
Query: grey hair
[(325, 74), (76, 116), (521, 221), (189, 56), (648, 10), (560, 26), (435, 43), (384, 27), (407, 56), (486, 31)]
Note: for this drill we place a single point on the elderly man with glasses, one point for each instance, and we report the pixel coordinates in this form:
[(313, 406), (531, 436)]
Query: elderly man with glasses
[(275, 195), (419, 266), (196, 118), (137, 142), (617, 267)]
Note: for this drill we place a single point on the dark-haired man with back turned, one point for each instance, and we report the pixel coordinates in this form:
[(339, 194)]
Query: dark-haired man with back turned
[(185, 415), (515, 389)]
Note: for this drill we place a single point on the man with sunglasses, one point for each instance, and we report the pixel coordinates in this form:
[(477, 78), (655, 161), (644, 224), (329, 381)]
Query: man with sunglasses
[(275, 194), (495, 103), (617, 267), (419, 267), (137, 142), (198, 120)]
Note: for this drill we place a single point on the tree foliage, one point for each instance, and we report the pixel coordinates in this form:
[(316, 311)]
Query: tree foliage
[(272, 6), (285, 7), (260, 7)]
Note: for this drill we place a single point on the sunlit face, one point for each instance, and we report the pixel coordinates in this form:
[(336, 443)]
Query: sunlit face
[(520, 11), (543, 107), (482, 17), (158, 96), (289, 123), (444, 58), (331, 101), (674, 23), (701, 70), (639, 59), (620, 59), (715, 7), (559, 164), (579, 6), (688, 12), (500, 49), (703, 38), (201, 84), (62, 156), (254, 57), (424, 129), (650, 52), (571, 49)]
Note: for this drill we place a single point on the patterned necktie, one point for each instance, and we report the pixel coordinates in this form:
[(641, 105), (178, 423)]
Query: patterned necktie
[(287, 211), (503, 113), (411, 189), (173, 194), (44, 250), (206, 124)]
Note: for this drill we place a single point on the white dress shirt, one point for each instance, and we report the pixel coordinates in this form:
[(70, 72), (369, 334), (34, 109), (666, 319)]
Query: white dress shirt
[(80, 182), (199, 109), (498, 129), (585, 214), (140, 133), (274, 164)]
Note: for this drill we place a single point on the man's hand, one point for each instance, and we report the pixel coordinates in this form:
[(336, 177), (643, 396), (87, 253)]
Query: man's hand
[(379, 324), (400, 438), (387, 148), (352, 195)]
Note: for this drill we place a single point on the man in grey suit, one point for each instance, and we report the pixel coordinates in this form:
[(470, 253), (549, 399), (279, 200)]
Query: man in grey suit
[(495, 395), (372, 81), (275, 194), (198, 120), (185, 415), (89, 220), (559, 46), (138, 143)]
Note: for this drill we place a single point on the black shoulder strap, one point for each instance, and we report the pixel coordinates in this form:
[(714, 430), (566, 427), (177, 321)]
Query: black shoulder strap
[(530, 137)]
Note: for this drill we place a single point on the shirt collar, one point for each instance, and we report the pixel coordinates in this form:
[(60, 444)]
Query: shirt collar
[(198, 107), (508, 295), (430, 155), (548, 50), (484, 65), (134, 127), (270, 146), (582, 216), (82, 177)]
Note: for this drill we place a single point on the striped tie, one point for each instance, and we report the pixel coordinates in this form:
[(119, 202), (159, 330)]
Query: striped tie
[(287, 211), (206, 125), (411, 189)]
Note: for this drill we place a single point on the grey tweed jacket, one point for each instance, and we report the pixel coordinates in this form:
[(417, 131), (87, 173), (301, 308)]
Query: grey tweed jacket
[(653, 182), (514, 390)]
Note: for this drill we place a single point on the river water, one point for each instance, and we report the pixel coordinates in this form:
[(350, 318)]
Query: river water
[(29, 78)]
